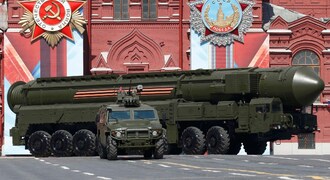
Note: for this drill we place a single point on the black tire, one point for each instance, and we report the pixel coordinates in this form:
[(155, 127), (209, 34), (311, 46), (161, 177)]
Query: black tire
[(193, 141), (102, 151), (148, 154), (61, 143), (255, 147), (84, 143), (160, 149), (39, 144), (235, 146), (111, 149), (217, 140)]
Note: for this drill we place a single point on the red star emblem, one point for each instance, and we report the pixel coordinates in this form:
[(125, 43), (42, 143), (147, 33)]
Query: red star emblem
[(52, 15)]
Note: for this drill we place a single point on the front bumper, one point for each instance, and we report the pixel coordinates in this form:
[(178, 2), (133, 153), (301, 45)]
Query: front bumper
[(136, 138)]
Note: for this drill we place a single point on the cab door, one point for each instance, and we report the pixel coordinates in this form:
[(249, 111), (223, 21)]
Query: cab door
[(260, 119)]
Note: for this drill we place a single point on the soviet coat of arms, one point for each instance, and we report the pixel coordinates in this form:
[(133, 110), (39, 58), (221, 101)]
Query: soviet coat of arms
[(221, 21)]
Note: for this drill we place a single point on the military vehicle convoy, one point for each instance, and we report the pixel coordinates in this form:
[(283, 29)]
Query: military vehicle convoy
[(129, 126), (203, 110)]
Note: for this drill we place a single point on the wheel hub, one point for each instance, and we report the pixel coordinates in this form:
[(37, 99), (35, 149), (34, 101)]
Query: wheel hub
[(212, 141), (58, 144), (188, 142), (37, 145), (80, 144)]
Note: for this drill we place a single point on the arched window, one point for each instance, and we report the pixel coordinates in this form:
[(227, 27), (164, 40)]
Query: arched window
[(307, 58)]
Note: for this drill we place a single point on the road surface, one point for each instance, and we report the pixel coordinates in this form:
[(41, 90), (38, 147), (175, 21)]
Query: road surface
[(209, 167)]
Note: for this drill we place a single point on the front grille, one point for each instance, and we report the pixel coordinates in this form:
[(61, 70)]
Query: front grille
[(137, 133)]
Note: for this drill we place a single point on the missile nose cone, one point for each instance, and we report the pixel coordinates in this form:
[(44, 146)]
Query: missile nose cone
[(306, 86)]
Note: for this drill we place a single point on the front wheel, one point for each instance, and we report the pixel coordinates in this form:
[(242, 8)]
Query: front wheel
[(160, 149), (39, 144), (111, 149)]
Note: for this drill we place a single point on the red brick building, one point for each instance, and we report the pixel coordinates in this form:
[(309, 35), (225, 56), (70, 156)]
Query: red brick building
[(125, 36), (140, 35)]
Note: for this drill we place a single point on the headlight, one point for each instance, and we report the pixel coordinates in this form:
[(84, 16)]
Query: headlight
[(118, 134), (154, 133)]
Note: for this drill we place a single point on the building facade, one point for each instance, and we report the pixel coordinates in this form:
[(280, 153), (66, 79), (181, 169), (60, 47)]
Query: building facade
[(139, 35), (127, 36), (302, 39)]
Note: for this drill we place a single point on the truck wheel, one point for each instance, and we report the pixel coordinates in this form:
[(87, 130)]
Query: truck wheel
[(111, 149), (101, 150), (255, 147), (147, 154), (159, 149), (84, 143), (39, 144), (193, 141), (61, 143), (217, 140)]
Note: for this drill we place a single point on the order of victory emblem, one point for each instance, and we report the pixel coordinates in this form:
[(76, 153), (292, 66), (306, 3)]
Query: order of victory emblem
[(221, 21), (51, 19)]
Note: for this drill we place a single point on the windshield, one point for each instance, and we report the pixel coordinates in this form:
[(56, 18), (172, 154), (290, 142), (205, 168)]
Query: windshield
[(119, 115), (144, 114)]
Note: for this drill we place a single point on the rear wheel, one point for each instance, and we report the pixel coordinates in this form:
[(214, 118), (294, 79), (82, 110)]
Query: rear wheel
[(61, 143), (217, 140), (84, 143), (111, 149), (39, 144), (193, 141), (160, 149)]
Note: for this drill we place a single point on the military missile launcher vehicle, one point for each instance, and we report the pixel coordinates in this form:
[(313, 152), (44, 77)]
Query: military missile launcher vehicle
[(130, 127), (213, 110)]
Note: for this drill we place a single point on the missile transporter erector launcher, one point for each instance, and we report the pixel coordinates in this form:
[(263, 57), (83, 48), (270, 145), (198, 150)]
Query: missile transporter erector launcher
[(213, 110)]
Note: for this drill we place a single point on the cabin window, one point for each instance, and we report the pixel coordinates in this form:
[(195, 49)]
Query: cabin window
[(144, 114), (263, 108), (119, 115)]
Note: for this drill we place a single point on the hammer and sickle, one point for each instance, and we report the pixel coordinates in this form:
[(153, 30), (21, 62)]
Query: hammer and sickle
[(54, 15)]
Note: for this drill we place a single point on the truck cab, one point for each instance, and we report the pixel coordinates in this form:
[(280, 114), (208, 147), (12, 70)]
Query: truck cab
[(129, 127)]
